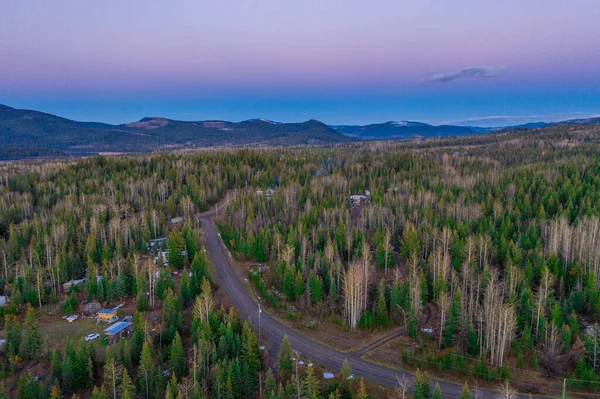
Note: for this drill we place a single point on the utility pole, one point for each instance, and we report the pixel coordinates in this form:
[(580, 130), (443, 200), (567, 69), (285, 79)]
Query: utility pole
[(297, 380), (259, 312), (564, 386)]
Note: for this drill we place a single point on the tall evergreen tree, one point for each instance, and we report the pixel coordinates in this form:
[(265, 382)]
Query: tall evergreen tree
[(437, 393), (284, 360), (176, 248), (112, 373), (465, 393), (32, 340), (176, 356), (127, 387), (146, 371), (310, 384), (422, 385)]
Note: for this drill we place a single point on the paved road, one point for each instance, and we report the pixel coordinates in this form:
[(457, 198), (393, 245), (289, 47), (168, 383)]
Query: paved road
[(274, 331)]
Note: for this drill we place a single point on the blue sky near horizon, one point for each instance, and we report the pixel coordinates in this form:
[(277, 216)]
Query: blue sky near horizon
[(341, 62)]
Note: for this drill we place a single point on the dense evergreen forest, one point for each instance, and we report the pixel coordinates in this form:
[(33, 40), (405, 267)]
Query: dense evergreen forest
[(485, 249)]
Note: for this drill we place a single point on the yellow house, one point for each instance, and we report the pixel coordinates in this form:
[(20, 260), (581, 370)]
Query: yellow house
[(106, 314)]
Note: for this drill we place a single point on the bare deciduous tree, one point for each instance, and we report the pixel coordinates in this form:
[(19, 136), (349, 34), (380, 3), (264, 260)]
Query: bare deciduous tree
[(403, 384), (506, 391), (354, 292)]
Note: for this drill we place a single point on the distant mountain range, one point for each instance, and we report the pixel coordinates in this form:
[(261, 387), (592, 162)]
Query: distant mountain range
[(402, 130), (584, 121), (26, 133), (410, 130)]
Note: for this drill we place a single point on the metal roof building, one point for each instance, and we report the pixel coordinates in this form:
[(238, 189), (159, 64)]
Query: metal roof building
[(117, 327)]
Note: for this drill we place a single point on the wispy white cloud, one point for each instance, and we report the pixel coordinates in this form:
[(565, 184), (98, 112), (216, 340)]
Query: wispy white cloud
[(466, 73)]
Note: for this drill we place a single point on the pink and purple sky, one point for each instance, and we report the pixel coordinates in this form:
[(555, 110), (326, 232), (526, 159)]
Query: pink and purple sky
[(486, 63)]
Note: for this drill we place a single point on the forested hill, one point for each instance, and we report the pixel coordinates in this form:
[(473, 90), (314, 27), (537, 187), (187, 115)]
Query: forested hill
[(26, 133)]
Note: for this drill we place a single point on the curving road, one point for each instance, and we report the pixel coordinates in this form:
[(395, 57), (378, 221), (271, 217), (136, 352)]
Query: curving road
[(274, 330)]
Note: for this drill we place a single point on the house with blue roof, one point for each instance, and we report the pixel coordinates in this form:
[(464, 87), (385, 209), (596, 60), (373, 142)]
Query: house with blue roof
[(118, 330)]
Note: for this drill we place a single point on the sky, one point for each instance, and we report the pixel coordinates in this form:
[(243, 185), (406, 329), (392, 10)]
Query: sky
[(486, 63)]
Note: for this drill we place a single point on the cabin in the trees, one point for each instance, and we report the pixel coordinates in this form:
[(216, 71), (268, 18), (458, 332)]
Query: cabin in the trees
[(68, 284), (268, 193), (118, 330), (3, 300), (157, 243), (106, 314), (161, 258), (357, 198), (176, 220)]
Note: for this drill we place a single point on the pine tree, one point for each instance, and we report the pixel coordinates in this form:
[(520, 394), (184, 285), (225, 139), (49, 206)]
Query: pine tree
[(67, 375), (175, 247), (422, 387), (298, 285), (335, 395), (199, 272), (112, 373), (56, 365), (345, 375), (362, 392), (55, 393), (27, 387), (172, 316), (284, 360), (229, 388), (410, 243), (465, 393), (316, 288), (270, 384), (146, 371), (172, 387), (250, 355), (185, 295), (122, 285), (99, 393), (437, 393), (453, 320), (137, 340), (127, 387), (191, 242), (176, 356), (288, 283), (82, 366), (310, 384), (381, 311), (32, 340), (13, 336)]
